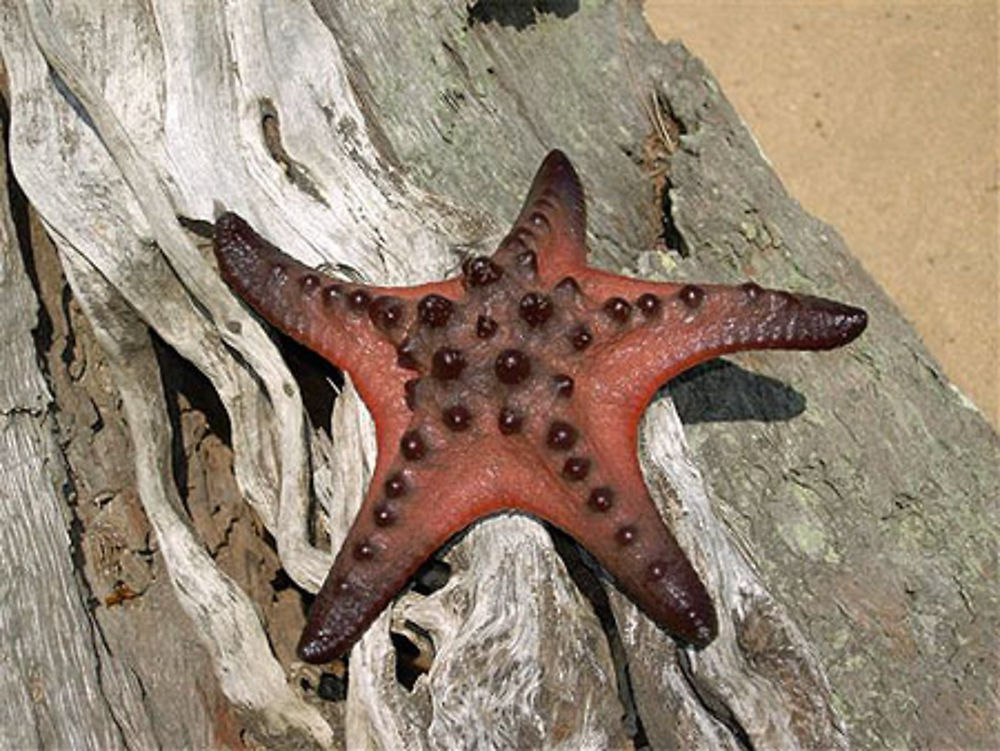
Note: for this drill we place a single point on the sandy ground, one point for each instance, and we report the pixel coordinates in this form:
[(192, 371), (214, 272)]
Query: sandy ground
[(882, 119)]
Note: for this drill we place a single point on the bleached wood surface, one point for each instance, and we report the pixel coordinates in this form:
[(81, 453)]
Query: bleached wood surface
[(153, 111), (60, 686)]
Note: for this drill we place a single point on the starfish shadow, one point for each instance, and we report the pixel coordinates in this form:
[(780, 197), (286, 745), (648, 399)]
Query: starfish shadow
[(186, 388), (721, 391), (519, 14), (320, 383)]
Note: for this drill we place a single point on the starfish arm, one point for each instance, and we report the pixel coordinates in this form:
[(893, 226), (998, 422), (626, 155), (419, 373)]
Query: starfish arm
[(551, 229), (629, 539), (353, 326), (388, 542), (676, 326), (412, 509), (594, 491)]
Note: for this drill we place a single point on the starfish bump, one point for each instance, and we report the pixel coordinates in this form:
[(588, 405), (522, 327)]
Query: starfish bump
[(517, 385)]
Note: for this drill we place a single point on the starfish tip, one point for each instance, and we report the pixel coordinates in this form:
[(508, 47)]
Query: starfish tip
[(836, 324), (314, 650), (227, 225), (856, 321)]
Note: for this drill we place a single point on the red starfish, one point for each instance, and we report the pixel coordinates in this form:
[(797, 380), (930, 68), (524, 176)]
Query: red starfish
[(517, 386)]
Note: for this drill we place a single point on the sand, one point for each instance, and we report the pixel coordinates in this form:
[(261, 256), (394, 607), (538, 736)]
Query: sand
[(882, 119)]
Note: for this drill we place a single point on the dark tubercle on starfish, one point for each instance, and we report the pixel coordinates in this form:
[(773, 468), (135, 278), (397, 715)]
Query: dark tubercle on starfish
[(517, 385)]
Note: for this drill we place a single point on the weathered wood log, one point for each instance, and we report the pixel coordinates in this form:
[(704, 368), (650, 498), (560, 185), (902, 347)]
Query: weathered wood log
[(841, 509)]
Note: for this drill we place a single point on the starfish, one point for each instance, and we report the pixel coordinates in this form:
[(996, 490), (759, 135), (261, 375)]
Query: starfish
[(517, 385)]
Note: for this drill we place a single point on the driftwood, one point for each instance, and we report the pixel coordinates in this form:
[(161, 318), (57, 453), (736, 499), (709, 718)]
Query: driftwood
[(157, 463)]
